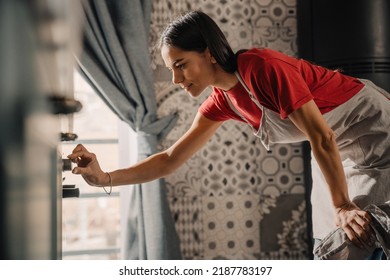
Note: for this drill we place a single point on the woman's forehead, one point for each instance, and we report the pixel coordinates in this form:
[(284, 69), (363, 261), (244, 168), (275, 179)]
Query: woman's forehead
[(171, 54)]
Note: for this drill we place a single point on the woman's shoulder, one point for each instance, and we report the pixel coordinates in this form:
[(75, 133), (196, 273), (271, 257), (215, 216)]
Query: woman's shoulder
[(266, 59), (259, 57), (261, 54)]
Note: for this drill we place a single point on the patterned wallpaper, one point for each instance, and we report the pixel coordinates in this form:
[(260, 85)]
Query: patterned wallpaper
[(234, 199)]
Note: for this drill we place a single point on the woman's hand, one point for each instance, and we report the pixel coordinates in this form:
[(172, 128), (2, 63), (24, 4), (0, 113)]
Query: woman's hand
[(88, 167), (356, 224)]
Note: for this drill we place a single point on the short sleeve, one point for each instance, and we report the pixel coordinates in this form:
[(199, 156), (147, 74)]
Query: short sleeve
[(277, 82), (287, 86), (214, 108)]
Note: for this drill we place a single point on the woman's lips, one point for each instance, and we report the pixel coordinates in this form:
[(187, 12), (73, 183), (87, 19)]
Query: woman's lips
[(186, 88)]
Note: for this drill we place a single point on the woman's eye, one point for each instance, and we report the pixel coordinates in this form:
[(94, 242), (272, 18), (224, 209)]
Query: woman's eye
[(180, 66)]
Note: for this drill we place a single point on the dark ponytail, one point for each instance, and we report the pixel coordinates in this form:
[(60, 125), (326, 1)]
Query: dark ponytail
[(196, 31)]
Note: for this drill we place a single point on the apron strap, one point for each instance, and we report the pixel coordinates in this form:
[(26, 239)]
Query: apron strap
[(253, 98), (263, 136)]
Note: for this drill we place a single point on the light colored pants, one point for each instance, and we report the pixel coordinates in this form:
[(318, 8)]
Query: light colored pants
[(378, 253)]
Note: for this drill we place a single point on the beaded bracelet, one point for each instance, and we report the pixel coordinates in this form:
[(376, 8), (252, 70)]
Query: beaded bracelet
[(104, 188)]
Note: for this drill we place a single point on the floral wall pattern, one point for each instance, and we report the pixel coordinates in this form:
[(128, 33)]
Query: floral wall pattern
[(234, 199)]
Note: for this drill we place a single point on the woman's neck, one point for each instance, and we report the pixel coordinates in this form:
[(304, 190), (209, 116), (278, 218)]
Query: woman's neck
[(225, 80)]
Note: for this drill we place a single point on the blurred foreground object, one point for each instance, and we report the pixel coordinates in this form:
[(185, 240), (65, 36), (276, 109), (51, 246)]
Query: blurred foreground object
[(37, 41)]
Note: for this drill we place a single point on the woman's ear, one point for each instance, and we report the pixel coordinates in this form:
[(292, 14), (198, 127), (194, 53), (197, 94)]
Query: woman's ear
[(210, 56)]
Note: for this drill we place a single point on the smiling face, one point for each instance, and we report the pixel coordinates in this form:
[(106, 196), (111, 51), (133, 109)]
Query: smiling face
[(192, 70)]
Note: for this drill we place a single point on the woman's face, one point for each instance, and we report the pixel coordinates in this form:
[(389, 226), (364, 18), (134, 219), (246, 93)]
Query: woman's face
[(192, 70)]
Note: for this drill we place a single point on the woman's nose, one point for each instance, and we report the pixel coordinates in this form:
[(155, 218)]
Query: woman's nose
[(177, 77)]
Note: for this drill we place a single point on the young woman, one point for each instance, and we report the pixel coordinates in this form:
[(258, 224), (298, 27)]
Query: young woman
[(283, 99)]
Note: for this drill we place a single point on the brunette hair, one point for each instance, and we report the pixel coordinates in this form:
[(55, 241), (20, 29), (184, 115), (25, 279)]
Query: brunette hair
[(196, 31)]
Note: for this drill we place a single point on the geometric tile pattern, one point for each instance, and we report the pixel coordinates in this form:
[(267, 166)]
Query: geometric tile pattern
[(230, 226), (289, 235), (186, 211), (234, 199)]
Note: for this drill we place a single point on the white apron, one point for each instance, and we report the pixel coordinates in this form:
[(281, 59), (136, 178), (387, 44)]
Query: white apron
[(362, 129)]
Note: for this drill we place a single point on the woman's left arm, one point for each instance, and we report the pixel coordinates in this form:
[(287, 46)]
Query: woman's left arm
[(354, 221)]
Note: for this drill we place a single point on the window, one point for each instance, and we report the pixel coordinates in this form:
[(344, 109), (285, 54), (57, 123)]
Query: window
[(91, 222)]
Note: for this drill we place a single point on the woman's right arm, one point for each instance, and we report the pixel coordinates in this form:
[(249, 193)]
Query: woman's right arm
[(154, 167)]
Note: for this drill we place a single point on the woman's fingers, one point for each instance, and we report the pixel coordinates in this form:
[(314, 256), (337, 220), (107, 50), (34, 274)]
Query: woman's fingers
[(356, 225), (80, 154), (353, 237), (363, 229), (87, 165), (79, 170), (79, 147), (82, 158)]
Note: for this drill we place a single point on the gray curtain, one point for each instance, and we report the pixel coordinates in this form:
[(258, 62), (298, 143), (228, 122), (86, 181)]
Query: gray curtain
[(115, 61)]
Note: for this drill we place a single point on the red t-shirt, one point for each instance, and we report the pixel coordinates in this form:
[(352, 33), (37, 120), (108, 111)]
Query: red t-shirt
[(282, 84)]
